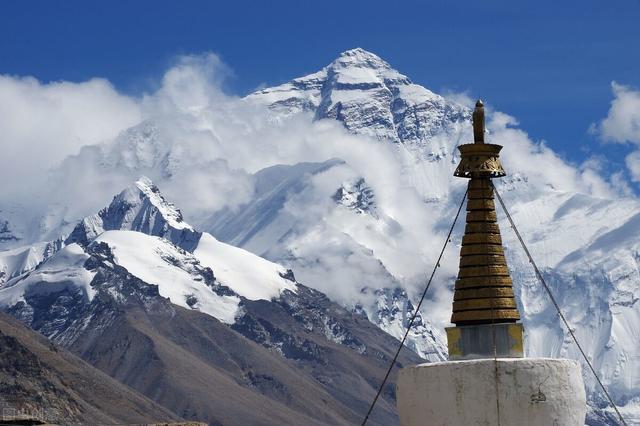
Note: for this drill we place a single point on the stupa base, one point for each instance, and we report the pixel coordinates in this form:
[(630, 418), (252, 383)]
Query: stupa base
[(529, 392), (472, 342)]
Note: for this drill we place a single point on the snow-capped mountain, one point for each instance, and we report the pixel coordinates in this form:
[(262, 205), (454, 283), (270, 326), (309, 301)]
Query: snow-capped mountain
[(369, 97), (147, 236), (274, 336), (140, 208)]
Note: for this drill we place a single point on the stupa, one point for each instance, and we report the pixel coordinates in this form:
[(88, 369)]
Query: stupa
[(488, 380)]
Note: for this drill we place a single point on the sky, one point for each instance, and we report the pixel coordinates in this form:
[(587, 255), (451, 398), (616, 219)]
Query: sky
[(550, 64)]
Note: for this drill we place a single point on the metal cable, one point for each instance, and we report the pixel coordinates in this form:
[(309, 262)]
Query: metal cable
[(555, 303), (415, 313)]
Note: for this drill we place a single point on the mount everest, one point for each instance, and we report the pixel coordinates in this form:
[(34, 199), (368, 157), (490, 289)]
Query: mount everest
[(351, 188)]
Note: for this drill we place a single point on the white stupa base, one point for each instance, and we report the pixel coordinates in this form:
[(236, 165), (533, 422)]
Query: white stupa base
[(531, 391)]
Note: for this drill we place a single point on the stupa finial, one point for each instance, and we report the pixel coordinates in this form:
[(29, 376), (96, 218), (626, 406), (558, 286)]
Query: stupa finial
[(478, 122)]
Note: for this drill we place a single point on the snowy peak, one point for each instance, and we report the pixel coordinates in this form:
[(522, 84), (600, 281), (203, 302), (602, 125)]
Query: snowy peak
[(369, 97), (361, 57), (360, 66), (170, 213), (142, 235), (142, 208)]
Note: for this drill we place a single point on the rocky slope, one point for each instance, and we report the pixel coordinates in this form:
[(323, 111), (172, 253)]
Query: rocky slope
[(41, 381)]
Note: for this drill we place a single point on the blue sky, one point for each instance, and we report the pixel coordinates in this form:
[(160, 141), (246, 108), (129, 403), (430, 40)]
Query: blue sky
[(548, 63)]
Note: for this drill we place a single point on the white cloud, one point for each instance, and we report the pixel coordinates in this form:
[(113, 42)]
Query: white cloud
[(42, 123), (192, 84), (620, 183), (622, 123), (542, 165), (462, 98), (633, 165)]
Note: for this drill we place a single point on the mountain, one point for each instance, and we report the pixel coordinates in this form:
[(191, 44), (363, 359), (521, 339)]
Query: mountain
[(206, 332), (140, 207), (43, 382), (369, 97)]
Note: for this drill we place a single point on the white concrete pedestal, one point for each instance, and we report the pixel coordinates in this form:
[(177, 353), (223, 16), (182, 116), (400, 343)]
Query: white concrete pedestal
[(531, 392)]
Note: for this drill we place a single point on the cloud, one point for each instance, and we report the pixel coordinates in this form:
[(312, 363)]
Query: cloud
[(74, 145), (633, 165), (42, 123), (462, 98), (622, 123), (542, 166), (192, 84)]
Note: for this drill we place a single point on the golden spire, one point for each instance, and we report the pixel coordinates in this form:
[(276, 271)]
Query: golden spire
[(483, 291)]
